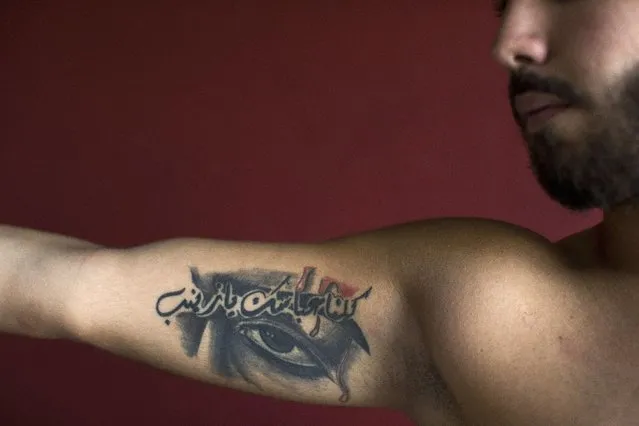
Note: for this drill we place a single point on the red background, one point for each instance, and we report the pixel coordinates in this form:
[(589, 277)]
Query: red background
[(126, 122)]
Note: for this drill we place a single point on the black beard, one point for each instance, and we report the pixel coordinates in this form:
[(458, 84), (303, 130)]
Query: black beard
[(600, 171)]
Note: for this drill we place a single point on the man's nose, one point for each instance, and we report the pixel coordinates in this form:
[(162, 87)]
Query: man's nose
[(522, 39)]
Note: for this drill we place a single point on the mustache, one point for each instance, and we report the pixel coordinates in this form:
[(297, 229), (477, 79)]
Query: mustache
[(525, 82)]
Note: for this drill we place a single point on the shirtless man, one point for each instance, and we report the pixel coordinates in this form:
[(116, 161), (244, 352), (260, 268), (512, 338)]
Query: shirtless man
[(453, 321)]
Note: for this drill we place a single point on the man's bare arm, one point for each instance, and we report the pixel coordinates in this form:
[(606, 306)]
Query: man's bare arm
[(38, 273), (344, 322), (314, 323)]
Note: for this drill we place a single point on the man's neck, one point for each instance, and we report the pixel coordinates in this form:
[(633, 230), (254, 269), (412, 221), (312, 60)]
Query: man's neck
[(619, 239)]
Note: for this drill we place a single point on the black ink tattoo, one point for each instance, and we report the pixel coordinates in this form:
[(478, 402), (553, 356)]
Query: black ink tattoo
[(273, 317)]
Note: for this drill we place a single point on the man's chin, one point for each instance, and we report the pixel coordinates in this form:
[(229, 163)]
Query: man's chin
[(559, 171)]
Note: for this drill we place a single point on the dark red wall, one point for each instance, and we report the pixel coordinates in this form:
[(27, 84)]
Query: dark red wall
[(126, 122)]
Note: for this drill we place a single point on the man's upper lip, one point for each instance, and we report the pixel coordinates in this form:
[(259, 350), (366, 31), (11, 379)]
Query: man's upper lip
[(530, 102)]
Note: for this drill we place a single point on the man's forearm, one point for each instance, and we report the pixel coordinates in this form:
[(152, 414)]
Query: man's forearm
[(37, 279)]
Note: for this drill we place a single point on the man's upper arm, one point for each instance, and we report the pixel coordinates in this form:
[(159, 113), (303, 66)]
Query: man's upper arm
[(326, 323), (349, 321)]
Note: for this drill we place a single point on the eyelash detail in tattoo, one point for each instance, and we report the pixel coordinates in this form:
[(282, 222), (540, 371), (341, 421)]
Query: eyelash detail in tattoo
[(284, 347)]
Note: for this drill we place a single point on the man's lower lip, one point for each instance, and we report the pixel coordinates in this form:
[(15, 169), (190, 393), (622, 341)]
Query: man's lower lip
[(536, 120)]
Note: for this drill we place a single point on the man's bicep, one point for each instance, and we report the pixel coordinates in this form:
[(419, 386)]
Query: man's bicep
[(316, 323)]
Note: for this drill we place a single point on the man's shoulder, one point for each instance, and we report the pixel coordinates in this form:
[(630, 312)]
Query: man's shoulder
[(516, 329), (469, 245), (497, 312), (523, 334), (459, 259), (470, 231)]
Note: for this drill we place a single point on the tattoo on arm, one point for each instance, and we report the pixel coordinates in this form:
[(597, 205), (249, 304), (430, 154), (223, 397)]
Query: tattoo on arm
[(298, 326)]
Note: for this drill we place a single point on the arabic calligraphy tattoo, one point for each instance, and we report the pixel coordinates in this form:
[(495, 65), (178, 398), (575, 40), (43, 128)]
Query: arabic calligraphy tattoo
[(297, 326)]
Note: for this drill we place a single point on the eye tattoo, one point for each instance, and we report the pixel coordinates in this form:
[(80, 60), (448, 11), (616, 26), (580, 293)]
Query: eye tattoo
[(259, 317)]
